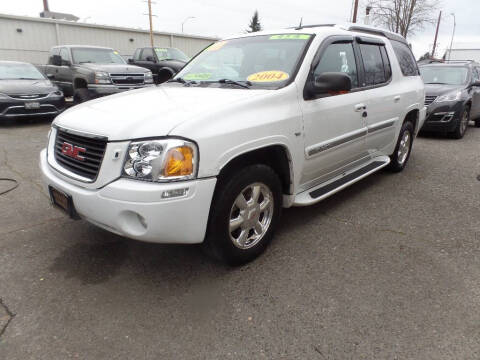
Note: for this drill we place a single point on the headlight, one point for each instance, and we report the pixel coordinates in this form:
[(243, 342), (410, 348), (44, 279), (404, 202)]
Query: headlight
[(101, 77), (451, 96), (56, 93), (161, 160), (148, 78)]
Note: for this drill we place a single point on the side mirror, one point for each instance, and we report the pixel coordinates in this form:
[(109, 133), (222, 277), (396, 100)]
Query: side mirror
[(331, 83), (150, 58), (50, 76), (164, 74), (130, 60), (57, 60)]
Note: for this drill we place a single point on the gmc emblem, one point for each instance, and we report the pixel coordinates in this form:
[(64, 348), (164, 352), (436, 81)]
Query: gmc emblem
[(73, 151)]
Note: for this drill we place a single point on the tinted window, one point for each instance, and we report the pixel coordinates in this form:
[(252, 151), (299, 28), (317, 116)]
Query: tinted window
[(53, 51), (136, 55), (386, 63), (339, 58), (476, 74), (147, 53), (405, 58), (373, 64)]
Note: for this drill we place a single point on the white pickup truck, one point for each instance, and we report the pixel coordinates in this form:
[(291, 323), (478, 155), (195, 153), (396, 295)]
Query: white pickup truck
[(250, 125)]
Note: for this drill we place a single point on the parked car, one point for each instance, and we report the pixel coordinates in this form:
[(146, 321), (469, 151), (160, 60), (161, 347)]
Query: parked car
[(452, 96), (25, 92), (88, 72), (157, 59), (252, 124)]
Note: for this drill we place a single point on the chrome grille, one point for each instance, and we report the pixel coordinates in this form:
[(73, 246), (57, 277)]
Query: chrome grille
[(28, 96), (127, 79), (429, 100), (93, 155)]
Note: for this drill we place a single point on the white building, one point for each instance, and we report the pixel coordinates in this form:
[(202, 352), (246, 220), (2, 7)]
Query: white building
[(30, 39), (464, 51)]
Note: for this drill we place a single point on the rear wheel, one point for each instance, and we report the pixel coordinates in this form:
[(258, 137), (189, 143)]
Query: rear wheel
[(80, 95), (244, 214), (462, 125), (399, 158)]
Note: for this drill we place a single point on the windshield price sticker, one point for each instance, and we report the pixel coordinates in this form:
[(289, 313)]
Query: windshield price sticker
[(268, 76), (290, 37), (217, 46), (198, 76)]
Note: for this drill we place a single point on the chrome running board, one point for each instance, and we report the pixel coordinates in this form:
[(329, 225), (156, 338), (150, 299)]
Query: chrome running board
[(322, 191)]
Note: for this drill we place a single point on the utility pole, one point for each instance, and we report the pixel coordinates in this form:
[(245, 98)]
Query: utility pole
[(436, 35), (453, 35), (150, 19), (355, 11), (45, 5)]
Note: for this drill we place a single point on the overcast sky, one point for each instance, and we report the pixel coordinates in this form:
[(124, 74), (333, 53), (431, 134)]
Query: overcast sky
[(225, 17)]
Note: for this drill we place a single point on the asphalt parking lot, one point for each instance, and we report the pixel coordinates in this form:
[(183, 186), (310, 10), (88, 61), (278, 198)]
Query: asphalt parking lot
[(387, 269)]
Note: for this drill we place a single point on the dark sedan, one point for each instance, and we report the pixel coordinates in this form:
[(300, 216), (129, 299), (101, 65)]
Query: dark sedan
[(25, 92)]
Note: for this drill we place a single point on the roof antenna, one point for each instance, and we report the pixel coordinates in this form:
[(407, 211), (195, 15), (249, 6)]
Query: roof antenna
[(301, 24)]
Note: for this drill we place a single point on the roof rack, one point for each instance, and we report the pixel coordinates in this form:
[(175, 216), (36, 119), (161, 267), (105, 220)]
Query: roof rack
[(300, 27), (374, 31)]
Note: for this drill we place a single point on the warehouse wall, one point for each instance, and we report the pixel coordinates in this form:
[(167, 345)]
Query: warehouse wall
[(38, 35)]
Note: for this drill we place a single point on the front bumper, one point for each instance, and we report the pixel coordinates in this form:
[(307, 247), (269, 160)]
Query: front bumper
[(136, 209), (15, 108), (95, 90), (443, 117)]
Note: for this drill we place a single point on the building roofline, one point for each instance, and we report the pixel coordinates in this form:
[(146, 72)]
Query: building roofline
[(106, 27)]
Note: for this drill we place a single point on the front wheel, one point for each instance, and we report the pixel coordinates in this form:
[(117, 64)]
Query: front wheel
[(80, 95), (462, 125), (244, 214), (399, 158)]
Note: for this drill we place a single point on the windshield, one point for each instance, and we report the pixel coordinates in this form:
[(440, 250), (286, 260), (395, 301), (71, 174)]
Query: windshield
[(171, 53), (448, 75), (265, 61), (12, 71), (96, 56)]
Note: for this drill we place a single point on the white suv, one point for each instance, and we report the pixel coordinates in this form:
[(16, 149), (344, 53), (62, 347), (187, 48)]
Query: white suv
[(252, 124)]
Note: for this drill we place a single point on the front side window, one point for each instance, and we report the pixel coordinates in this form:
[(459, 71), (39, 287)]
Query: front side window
[(147, 54), (136, 55), (373, 64), (444, 75), (405, 58), (64, 54), (19, 71), (263, 61), (96, 56), (339, 57)]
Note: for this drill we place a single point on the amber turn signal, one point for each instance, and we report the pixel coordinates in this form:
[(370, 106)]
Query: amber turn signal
[(179, 162)]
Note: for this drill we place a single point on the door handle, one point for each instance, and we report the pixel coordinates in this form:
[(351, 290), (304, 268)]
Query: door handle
[(397, 98), (360, 107)]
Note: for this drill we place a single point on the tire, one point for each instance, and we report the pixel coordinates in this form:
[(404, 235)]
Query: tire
[(80, 95), (462, 125), (242, 243), (399, 158)]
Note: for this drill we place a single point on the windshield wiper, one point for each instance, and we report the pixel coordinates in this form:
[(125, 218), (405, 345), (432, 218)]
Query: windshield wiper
[(436, 83), (26, 78), (85, 62), (183, 81), (245, 84)]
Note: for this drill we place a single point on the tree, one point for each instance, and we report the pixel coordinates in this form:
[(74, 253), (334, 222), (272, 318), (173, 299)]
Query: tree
[(425, 56), (254, 23), (405, 17)]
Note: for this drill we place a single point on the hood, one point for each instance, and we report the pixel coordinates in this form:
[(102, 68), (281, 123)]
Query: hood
[(149, 112), (14, 87), (439, 89), (112, 68)]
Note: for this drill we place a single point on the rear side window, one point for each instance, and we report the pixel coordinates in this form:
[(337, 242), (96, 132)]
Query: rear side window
[(375, 73), (147, 53), (405, 58), (339, 58)]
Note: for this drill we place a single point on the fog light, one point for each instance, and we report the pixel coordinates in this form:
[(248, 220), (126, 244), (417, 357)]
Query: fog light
[(167, 194)]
